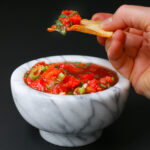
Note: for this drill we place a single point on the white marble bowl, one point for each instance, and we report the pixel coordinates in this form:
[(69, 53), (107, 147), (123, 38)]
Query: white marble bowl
[(69, 120)]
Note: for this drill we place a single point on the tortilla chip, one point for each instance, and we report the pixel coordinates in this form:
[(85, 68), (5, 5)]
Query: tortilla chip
[(50, 29), (89, 22), (90, 27)]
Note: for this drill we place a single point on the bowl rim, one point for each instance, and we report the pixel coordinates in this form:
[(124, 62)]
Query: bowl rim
[(21, 70)]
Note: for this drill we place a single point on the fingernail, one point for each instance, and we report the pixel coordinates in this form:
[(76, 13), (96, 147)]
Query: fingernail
[(106, 21)]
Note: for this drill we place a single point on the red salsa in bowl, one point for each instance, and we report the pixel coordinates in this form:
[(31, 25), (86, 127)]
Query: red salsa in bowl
[(70, 78)]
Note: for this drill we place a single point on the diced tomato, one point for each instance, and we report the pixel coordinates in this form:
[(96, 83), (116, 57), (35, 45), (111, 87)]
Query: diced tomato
[(65, 21), (55, 91), (103, 81), (62, 65), (28, 80), (72, 68), (67, 12), (94, 68), (50, 72), (37, 64), (51, 81), (66, 79), (90, 89), (109, 79), (40, 63), (72, 82), (108, 85), (54, 26), (99, 88), (58, 89), (93, 83), (87, 77), (38, 85), (61, 70), (75, 19)]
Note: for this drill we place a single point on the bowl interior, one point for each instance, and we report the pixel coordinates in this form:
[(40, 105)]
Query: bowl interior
[(21, 70)]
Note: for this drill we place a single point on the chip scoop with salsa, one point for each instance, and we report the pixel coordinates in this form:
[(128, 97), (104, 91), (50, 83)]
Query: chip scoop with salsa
[(70, 20)]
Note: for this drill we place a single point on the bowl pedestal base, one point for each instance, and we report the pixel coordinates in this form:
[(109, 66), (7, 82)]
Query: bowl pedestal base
[(70, 140)]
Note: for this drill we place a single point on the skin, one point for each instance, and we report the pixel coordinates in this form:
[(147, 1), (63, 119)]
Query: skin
[(129, 48)]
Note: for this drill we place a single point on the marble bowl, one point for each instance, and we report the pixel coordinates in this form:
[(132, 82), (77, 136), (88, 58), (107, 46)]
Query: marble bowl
[(69, 120)]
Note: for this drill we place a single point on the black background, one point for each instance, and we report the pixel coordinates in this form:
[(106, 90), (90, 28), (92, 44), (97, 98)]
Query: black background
[(23, 37)]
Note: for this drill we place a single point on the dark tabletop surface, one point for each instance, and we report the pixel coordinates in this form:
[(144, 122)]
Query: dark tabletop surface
[(23, 37)]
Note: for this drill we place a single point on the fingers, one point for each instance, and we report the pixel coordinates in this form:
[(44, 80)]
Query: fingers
[(101, 40), (132, 44), (122, 49), (101, 16), (114, 46), (131, 31), (129, 16), (135, 31), (116, 54)]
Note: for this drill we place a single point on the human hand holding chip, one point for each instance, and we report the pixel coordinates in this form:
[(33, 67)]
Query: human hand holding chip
[(70, 20), (129, 48)]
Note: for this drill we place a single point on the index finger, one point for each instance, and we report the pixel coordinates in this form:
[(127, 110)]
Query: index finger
[(101, 16), (129, 16)]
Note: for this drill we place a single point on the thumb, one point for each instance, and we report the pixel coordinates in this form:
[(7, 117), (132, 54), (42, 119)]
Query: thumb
[(128, 16)]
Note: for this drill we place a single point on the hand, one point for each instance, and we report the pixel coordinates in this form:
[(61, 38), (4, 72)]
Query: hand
[(129, 48)]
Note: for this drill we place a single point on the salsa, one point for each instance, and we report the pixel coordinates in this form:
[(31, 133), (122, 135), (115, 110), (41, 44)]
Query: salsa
[(70, 78), (66, 19)]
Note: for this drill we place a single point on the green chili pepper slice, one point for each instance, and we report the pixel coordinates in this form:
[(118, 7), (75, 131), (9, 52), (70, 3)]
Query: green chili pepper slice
[(113, 78), (62, 16), (74, 13), (46, 67), (61, 76), (26, 75), (102, 85), (80, 67), (88, 64), (48, 86), (70, 93), (81, 90), (43, 68), (35, 73), (76, 62), (57, 66)]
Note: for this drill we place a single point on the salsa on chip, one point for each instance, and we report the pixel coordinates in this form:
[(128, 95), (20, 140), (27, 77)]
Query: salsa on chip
[(70, 20)]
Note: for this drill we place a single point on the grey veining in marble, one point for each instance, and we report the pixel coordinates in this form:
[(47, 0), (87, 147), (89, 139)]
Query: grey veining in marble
[(69, 120)]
